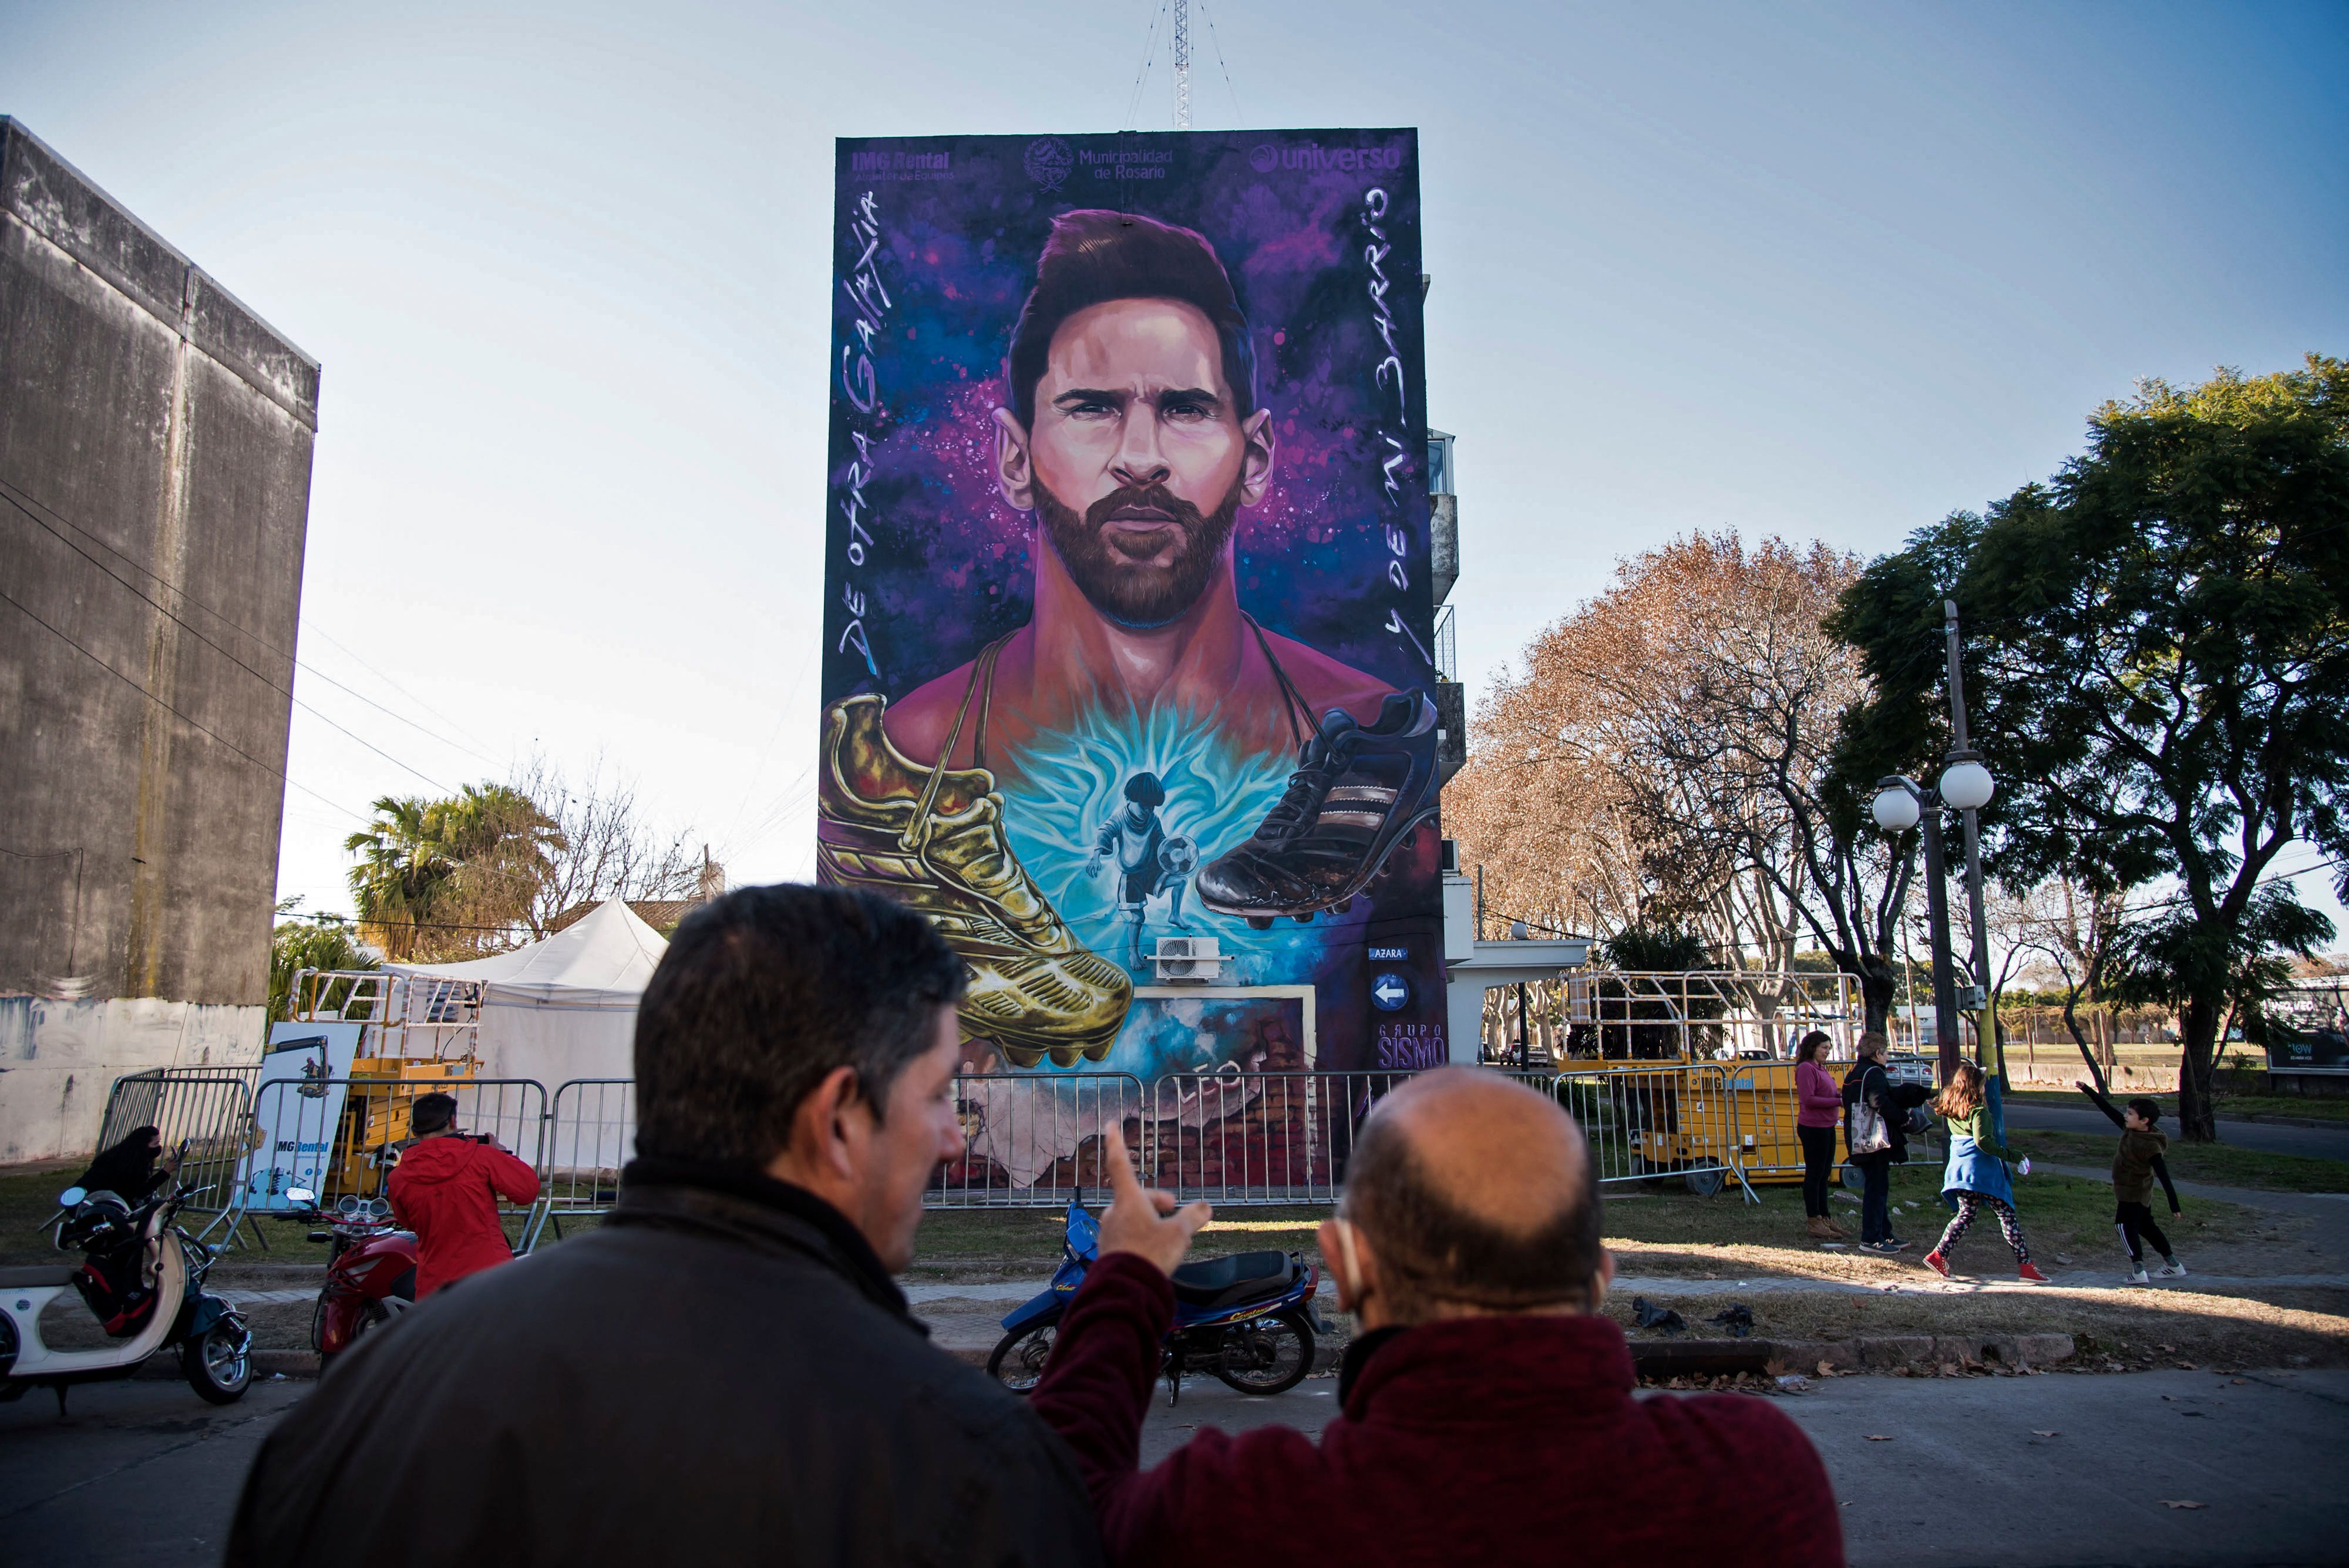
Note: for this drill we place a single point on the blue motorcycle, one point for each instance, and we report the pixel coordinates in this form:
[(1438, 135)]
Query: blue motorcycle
[(1247, 1318)]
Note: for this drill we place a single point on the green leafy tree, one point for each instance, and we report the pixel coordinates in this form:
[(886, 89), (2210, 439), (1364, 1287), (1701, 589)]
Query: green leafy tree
[(405, 883), (1644, 1018), (2156, 657), (296, 945), (459, 876), (2154, 955)]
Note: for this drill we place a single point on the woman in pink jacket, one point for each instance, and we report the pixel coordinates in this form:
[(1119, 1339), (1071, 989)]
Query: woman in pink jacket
[(1818, 1113)]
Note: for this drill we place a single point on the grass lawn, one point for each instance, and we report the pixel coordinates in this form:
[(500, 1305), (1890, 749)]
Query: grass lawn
[(2220, 1164), (27, 1201), (2303, 1106), (1664, 1231)]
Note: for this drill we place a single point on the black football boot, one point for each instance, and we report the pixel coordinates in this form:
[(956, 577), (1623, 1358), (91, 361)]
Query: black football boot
[(1355, 795)]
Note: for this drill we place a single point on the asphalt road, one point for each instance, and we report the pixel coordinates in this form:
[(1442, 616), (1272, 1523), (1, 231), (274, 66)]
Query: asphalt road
[(1964, 1479), (143, 1473), (2268, 1138), (137, 1473)]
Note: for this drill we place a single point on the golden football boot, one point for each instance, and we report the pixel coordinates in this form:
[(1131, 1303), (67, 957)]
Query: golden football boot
[(932, 838)]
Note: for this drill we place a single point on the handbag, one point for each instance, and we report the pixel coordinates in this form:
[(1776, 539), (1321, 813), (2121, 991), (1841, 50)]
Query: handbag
[(1868, 1134)]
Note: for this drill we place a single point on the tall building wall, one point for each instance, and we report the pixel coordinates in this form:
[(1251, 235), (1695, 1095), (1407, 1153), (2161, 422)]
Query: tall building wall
[(155, 445)]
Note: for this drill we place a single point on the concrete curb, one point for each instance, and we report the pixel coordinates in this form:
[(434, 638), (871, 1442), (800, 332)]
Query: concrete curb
[(1652, 1358), (2010, 1352)]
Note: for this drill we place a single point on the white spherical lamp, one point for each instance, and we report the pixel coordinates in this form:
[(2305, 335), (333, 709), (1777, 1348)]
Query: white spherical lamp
[(1968, 785), (1896, 810)]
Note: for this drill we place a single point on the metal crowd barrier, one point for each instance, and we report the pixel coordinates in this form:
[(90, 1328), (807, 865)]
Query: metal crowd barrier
[(1645, 1120), (208, 1109), (340, 1136), (591, 1135), (1034, 1140), (1244, 1139), (1030, 1139)]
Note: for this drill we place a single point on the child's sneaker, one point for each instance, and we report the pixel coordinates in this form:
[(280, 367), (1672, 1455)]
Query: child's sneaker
[(2171, 1269), (2137, 1275), (2030, 1275), (1938, 1264)]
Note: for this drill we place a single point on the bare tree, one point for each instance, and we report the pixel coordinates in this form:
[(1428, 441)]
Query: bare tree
[(609, 848), (2079, 931), (1666, 758)]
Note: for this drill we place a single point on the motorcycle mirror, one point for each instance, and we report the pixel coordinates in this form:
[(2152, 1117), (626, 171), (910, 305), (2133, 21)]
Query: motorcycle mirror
[(301, 1195), (71, 1196)]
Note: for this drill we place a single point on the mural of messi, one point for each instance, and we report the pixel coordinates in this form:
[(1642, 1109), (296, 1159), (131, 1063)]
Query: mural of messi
[(1124, 729)]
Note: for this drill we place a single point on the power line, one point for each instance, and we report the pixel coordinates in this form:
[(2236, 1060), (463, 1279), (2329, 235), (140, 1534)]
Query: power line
[(352, 654), (197, 632), (1237, 118), (12, 494), (1149, 54), (200, 728)]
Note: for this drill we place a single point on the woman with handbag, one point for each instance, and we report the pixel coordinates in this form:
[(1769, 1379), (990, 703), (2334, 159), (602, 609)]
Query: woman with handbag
[(1875, 1131)]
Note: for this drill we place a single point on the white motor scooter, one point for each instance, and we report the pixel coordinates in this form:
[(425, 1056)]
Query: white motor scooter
[(215, 1346)]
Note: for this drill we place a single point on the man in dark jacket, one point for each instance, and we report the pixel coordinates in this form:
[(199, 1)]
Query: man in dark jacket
[(724, 1371), (446, 1189), (1487, 1413)]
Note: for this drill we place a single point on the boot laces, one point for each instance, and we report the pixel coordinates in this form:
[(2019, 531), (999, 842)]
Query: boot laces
[(1301, 801)]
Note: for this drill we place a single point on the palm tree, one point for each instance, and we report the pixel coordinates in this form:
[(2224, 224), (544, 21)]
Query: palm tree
[(459, 876), (504, 846), (405, 878)]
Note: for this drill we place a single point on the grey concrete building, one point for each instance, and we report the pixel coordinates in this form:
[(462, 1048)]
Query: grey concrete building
[(155, 443)]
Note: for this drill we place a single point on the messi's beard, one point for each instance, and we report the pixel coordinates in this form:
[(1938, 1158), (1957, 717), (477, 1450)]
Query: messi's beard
[(1134, 593)]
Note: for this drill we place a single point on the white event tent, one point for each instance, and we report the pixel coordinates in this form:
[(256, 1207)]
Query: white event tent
[(564, 1008)]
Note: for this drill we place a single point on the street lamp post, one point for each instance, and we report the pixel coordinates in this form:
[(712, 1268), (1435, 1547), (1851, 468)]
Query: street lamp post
[(1994, 1049), (1902, 803)]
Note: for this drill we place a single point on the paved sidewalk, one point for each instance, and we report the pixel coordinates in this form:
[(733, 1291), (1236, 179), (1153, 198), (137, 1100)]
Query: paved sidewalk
[(2327, 1142), (1626, 1286)]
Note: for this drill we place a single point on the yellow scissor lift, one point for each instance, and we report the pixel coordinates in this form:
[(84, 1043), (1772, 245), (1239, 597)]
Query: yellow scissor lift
[(412, 1036), (1698, 1068)]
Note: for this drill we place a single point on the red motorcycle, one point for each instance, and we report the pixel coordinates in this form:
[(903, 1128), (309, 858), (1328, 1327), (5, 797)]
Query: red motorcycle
[(370, 1271)]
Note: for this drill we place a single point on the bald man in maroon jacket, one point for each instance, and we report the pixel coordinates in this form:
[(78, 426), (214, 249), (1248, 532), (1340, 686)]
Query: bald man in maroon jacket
[(1486, 1408)]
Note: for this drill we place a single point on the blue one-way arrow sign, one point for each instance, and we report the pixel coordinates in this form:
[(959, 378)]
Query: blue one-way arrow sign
[(1390, 993)]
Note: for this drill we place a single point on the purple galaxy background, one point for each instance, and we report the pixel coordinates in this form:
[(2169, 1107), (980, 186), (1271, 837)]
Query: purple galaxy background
[(950, 565)]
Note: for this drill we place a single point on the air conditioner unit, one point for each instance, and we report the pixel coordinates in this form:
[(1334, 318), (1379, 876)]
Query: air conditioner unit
[(1193, 961)]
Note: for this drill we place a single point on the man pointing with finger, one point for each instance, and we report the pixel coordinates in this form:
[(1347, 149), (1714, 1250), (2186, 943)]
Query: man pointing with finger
[(1486, 1406)]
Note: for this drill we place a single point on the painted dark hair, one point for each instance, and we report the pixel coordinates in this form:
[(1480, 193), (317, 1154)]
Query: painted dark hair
[(1095, 256)]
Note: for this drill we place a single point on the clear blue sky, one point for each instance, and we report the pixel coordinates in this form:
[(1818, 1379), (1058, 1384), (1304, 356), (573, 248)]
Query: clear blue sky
[(1820, 271)]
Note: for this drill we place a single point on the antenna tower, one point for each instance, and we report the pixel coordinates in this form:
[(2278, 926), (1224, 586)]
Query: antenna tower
[(1181, 65)]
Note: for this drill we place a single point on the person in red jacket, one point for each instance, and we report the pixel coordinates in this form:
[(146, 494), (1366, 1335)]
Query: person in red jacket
[(446, 1189), (1486, 1408)]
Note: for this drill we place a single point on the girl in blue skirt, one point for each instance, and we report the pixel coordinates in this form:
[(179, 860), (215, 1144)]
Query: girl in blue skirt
[(1976, 1174)]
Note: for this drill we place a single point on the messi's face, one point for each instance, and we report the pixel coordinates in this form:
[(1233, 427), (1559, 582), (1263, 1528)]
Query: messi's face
[(1138, 461)]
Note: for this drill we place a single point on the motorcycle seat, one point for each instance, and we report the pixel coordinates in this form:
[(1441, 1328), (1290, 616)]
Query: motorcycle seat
[(1220, 1281), (35, 1278)]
